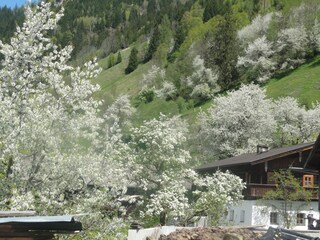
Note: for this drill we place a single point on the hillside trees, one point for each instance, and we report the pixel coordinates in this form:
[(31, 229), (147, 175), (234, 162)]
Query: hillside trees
[(258, 59), (133, 61), (111, 61), (153, 44), (160, 42), (119, 58), (277, 43), (295, 124), (8, 20), (291, 47), (236, 123), (202, 84), (213, 8), (223, 51)]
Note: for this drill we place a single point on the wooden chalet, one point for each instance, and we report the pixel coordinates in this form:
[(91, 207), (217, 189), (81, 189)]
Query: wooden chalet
[(256, 169), (13, 226)]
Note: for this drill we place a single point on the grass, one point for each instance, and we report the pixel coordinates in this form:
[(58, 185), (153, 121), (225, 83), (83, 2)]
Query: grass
[(114, 82), (303, 84)]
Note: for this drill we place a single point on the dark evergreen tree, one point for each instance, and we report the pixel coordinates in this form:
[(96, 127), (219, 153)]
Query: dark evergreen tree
[(134, 18), (151, 9), (153, 45), (9, 18), (117, 17), (111, 61), (223, 52), (119, 58), (179, 37), (213, 8), (78, 38), (133, 61)]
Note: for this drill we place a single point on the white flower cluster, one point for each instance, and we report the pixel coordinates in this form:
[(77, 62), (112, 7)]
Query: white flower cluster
[(154, 81), (258, 57), (237, 122), (258, 27), (51, 141), (203, 82), (279, 41)]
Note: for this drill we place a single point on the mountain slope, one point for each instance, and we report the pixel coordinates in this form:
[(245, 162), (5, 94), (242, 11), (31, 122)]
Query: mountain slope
[(302, 83)]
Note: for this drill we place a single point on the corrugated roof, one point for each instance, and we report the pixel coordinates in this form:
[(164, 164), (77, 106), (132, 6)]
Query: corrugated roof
[(38, 227), (253, 158), (37, 219)]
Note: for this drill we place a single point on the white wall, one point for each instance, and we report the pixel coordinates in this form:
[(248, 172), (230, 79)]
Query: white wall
[(245, 206), (258, 213)]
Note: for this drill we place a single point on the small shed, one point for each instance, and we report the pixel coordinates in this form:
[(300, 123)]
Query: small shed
[(37, 227)]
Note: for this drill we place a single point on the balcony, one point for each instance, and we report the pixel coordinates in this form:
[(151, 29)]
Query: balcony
[(255, 190)]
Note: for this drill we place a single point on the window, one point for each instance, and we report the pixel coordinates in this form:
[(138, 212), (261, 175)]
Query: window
[(242, 215), (274, 218), (308, 181), (301, 219), (231, 215)]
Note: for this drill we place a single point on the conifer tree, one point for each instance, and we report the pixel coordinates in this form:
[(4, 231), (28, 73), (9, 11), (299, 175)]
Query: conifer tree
[(119, 58), (223, 51), (133, 61), (153, 45), (111, 61), (213, 8)]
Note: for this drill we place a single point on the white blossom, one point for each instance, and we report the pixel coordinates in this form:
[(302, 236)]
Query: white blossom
[(167, 91), (295, 124), (258, 28), (236, 123), (51, 141), (291, 47), (258, 59), (202, 83)]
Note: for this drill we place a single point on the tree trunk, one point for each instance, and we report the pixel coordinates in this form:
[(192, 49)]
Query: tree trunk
[(163, 218)]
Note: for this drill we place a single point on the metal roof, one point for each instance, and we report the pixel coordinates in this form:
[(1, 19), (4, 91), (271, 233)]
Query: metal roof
[(37, 227), (254, 158), (37, 219)]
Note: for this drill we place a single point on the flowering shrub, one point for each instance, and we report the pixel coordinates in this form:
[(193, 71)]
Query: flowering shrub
[(258, 59), (202, 84)]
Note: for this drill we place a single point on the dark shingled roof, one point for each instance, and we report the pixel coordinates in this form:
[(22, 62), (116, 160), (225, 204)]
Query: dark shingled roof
[(255, 158), (314, 156)]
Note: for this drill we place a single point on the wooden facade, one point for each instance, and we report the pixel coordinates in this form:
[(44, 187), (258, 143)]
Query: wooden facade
[(256, 169)]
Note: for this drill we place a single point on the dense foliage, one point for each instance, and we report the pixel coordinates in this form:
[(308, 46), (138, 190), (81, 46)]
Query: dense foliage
[(60, 154), (63, 149), (238, 122)]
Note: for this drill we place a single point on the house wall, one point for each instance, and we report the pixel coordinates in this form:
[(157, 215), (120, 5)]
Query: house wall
[(257, 213), (245, 206)]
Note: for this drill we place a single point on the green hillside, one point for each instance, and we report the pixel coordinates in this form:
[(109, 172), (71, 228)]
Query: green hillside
[(115, 82), (302, 83), (181, 39)]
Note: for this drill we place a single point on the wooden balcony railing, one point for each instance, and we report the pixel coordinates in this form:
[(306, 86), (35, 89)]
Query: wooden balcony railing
[(255, 190)]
